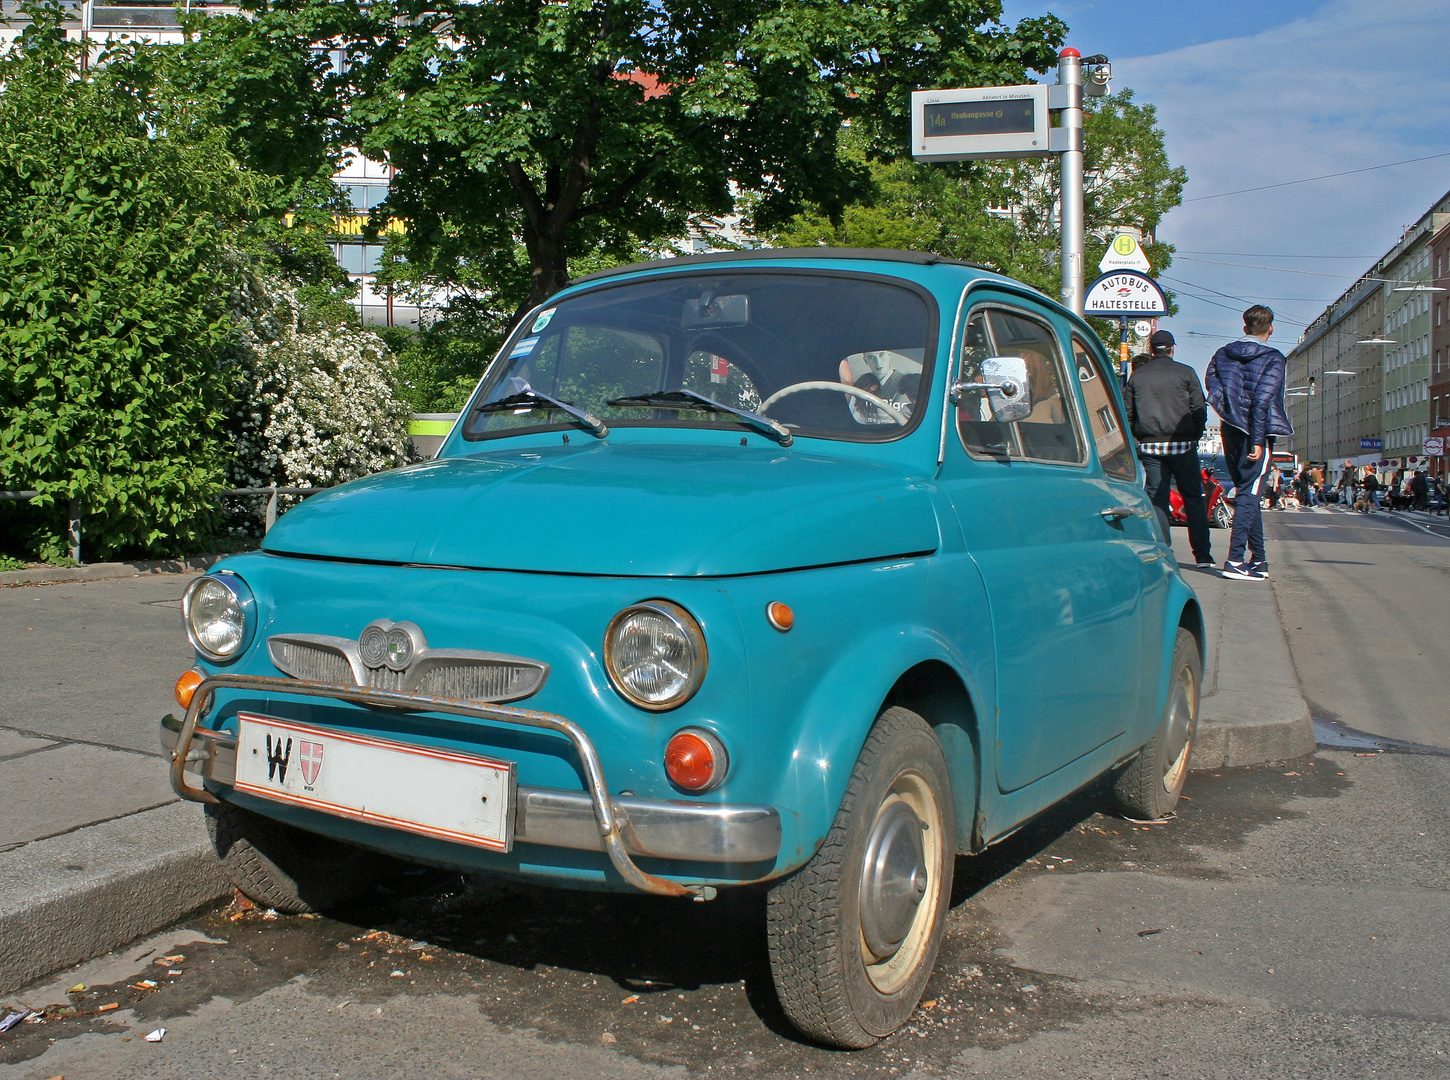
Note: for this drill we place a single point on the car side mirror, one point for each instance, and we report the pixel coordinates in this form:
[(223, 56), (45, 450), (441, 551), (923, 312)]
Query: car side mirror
[(1009, 391)]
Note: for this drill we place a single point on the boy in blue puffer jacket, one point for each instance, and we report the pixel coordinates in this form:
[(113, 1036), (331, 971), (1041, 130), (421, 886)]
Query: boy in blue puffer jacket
[(1245, 384)]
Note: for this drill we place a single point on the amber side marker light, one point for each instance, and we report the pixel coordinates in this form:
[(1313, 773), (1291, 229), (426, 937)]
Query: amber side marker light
[(695, 760), (779, 615), (186, 687)]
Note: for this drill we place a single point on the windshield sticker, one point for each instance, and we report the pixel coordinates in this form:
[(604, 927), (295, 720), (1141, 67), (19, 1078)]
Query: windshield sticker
[(543, 320), (523, 348)]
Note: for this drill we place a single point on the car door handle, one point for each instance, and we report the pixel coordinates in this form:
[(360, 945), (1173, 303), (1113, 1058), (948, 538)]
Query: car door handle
[(1116, 513)]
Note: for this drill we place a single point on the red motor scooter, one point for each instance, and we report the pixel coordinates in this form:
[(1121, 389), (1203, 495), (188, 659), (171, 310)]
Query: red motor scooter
[(1220, 510)]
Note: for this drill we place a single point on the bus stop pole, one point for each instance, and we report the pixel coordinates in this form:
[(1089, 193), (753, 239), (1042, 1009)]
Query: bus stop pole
[(1070, 214), (1123, 349)]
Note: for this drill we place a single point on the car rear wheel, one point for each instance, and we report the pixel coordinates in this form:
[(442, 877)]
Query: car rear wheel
[(854, 934), (1149, 786), (278, 866)]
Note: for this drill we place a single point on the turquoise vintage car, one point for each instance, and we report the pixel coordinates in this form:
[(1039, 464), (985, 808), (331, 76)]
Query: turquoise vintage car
[(810, 568)]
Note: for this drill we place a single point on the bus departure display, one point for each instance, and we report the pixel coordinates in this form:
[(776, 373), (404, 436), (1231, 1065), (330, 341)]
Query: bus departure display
[(980, 117)]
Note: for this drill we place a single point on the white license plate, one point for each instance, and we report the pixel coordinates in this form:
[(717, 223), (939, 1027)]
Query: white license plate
[(441, 793)]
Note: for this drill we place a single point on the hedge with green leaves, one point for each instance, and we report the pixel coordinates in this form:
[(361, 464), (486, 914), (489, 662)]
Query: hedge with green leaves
[(113, 316)]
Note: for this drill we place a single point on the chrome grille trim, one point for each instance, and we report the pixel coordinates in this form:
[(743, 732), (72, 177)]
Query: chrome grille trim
[(317, 661), (454, 673)]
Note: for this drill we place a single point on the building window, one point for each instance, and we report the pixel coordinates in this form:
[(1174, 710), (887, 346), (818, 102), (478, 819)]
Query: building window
[(359, 259), (363, 197)]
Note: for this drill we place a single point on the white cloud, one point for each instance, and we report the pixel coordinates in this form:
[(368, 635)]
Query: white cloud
[(1357, 83)]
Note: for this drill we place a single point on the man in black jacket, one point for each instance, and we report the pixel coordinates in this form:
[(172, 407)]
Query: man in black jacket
[(1167, 413)]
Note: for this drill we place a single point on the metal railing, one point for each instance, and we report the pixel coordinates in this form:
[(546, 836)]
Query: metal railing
[(73, 527)]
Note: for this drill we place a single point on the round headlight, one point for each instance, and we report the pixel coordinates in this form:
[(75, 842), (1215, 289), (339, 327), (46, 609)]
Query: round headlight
[(214, 611), (655, 654)]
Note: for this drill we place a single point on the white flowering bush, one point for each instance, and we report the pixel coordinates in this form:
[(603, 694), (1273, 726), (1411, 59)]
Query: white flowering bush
[(313, 403)]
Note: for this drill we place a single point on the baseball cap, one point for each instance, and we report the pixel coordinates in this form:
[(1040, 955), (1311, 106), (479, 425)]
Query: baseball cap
[(1161, 340)]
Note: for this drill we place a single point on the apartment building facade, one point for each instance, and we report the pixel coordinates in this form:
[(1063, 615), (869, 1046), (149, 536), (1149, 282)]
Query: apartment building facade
[(1440, 344), (1370, 357)]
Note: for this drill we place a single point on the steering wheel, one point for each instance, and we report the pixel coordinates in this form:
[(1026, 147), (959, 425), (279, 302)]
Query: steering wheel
[(854, 391)]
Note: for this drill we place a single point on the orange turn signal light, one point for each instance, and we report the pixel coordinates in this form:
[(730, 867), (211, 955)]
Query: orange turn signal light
[(186, 687), (695, 760), (779, 615)]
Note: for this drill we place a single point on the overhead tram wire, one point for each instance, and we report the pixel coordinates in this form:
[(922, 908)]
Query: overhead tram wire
[(1292, 270), (1311, 179), (1273, 255), (1278, 318), (1242, 299), (1226, 296)]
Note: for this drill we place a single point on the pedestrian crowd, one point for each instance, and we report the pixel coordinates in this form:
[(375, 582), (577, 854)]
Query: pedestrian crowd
[(1365, 488)]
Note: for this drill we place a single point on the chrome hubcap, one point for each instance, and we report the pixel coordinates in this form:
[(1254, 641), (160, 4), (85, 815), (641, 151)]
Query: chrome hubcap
[(895, 879), (1180, 726)]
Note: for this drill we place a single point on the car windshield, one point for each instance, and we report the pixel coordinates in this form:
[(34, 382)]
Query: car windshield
[(826, 355)]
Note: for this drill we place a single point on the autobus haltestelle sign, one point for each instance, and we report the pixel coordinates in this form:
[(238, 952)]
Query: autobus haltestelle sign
[(1124, 292)]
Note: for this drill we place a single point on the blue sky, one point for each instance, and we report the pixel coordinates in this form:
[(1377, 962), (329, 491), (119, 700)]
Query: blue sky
[(1254, 93)]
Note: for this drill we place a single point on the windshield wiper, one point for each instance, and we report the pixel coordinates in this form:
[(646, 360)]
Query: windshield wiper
[(527, 397), (688, 399)]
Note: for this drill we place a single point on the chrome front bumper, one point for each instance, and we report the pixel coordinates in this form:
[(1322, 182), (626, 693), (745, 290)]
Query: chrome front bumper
[(592, 820)]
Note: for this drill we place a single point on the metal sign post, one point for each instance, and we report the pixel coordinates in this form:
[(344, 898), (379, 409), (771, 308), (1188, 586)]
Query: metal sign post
[(986, 122), (1069, 80)]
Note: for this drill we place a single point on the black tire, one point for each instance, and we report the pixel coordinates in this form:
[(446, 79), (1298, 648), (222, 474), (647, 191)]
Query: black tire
[(1223, 517), (278, 866), (826, 947), (1149, 786)]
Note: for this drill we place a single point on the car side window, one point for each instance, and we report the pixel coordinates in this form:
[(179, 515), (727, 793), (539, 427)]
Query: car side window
[(980, 433), (1104, 416), (1050, 432)]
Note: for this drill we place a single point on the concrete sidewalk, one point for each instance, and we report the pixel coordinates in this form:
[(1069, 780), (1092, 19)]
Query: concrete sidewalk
[(95, 851), (1252, 709)]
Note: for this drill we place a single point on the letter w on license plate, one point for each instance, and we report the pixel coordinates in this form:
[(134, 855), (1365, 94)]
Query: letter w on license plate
[(454, 796)]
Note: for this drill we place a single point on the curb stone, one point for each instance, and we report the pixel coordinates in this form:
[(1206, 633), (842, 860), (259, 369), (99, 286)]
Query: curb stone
[(53, 575), (80, 895)]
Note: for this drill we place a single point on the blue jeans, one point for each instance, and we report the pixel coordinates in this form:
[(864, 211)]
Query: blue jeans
[(1249, 480)]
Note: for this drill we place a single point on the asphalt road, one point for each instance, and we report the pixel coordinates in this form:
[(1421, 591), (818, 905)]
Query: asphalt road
[(1292, 922), (1363, 600)]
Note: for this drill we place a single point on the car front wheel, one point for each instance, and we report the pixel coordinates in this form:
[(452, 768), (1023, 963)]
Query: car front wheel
[(278, 866), (854, 933)]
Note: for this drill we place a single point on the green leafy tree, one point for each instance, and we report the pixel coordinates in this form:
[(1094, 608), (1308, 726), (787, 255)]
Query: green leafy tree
[(113, 318), (1004, 214), (526, 131)]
